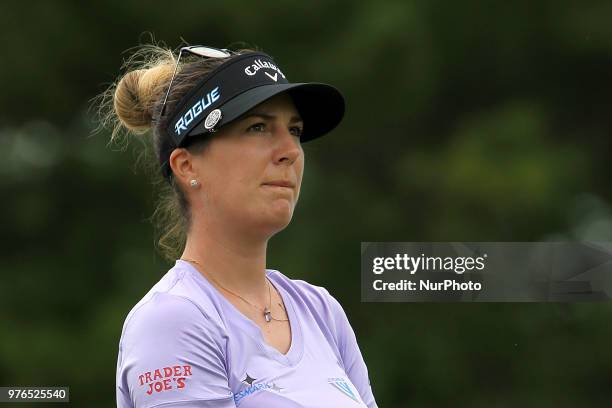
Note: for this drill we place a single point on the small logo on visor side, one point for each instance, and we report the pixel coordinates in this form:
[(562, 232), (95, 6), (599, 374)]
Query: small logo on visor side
[(195, 111), (212, 119)]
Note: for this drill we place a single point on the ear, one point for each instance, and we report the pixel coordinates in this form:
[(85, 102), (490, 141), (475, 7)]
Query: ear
[(182, 165)]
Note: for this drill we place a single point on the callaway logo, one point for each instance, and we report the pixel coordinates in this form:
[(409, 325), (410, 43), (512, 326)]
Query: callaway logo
[(259, 64), (341, 385), (196, 110)]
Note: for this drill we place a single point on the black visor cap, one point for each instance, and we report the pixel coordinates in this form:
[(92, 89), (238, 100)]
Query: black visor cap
[(321, 106)]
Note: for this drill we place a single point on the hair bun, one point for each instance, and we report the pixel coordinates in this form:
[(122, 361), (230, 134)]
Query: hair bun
[(137, 94)]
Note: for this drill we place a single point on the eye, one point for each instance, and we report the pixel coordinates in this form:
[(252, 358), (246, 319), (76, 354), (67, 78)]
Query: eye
[(257, 127), (296, 131)]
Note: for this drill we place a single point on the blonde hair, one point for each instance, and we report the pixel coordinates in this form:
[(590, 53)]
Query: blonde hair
[(131, 107)]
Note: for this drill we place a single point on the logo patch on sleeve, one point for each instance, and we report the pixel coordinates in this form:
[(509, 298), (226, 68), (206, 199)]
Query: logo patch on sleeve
[(165, 378)]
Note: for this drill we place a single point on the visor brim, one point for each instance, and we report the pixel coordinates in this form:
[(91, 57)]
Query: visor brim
[(321, 107)]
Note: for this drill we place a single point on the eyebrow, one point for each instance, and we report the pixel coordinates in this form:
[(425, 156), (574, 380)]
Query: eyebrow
[(266, 116)]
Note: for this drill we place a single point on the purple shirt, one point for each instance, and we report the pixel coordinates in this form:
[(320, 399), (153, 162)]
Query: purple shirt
[(185, 345)]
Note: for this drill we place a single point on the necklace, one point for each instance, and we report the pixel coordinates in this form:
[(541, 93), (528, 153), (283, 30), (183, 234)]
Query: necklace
[(266, 311)]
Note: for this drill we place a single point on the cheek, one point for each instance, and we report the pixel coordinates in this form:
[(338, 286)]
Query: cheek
[(233, 187), (228, 185), (299, 171), (300, 167), (227, 168)]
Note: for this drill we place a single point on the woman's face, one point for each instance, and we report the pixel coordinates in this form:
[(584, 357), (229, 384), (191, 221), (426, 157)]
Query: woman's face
[(240, 166)]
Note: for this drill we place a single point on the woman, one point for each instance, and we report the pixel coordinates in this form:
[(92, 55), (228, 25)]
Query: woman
[(219, 329)]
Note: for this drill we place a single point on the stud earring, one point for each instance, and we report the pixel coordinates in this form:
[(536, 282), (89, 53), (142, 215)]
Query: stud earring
[(194, 183)]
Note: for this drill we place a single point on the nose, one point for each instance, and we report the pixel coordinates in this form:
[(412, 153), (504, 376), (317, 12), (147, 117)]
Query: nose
[(288, 148)]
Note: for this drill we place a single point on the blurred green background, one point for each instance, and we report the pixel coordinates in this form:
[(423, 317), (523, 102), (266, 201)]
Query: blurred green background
[(467, 120)]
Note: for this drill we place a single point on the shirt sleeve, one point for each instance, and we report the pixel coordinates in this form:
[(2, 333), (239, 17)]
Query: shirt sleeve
[(352, 359), (170, 356)]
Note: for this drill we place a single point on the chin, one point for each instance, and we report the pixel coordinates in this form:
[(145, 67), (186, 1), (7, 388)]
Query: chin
[(282, 220), (276, 221), (269, 217)]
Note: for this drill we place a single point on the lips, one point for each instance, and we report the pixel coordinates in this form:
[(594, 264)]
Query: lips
[(280, 183)]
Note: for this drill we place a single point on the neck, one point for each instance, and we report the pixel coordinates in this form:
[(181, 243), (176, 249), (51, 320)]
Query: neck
[(233, 259)]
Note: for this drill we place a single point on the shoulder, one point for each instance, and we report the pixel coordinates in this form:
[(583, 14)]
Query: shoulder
[(173, 315), (322, 309), (169, 352), (176, 302), (317, 299), (163, 312), (317, 295), (168, 324)]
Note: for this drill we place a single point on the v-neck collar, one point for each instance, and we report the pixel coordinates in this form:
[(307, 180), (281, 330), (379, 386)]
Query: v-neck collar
[(294, 354)]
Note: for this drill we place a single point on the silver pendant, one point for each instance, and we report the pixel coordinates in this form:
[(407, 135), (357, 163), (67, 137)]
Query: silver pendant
[(267, 315)]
